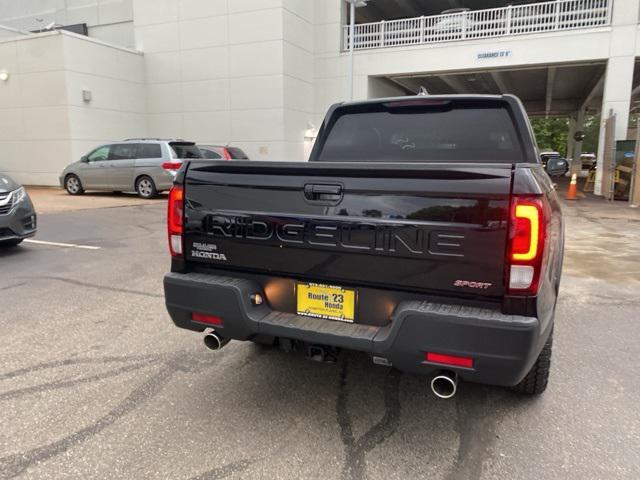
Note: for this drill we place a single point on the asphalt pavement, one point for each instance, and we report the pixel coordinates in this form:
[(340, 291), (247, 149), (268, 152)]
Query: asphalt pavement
[(96, 382)]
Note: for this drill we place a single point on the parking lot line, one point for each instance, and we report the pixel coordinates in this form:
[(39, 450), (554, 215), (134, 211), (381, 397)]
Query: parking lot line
[(64, 245)]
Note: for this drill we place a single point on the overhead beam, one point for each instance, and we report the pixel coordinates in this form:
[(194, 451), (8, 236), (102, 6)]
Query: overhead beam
[(402, 85), (593, 92), (455, 84), (538, 108), (432, 83), (635, 106), (503, 83), (551, 77)]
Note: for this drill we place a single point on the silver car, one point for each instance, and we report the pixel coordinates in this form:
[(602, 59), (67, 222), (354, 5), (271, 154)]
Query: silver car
[(146, 166)]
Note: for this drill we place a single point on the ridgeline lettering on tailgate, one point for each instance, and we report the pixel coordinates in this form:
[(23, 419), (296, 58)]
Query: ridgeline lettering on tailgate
[(390, 238)]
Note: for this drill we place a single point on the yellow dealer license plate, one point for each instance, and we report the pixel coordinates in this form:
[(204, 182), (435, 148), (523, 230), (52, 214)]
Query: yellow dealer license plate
[(326, 301)]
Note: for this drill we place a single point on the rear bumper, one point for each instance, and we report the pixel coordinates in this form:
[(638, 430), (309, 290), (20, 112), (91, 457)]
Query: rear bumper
[(164, 180), (503, 347)]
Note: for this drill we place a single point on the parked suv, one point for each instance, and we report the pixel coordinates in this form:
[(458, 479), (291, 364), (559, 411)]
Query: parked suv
[(221, 152), (146, 166), (588, 161)]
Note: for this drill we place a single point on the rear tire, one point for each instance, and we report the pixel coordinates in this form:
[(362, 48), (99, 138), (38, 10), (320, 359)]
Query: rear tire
[(73, 185), (536, 381), (146, 188)]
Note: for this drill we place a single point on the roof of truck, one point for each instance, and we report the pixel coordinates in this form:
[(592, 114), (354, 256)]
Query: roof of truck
[(419, 98)]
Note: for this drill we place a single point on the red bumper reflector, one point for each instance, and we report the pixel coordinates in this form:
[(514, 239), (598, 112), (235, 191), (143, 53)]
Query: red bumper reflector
[(209, 319), (465, 362)]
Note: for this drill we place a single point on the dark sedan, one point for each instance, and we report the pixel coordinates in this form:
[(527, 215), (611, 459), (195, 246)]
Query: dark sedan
[(17, 215), (222, 152)]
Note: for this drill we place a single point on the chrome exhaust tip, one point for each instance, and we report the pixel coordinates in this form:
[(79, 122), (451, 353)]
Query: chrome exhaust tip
[(213, 341), (444, 385)]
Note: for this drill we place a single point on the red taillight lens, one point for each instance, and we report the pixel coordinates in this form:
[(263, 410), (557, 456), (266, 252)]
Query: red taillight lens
[(526, 230), (175, 212), (225, 154), (208, 319), (526, 244), (171, 165), (451, 360)]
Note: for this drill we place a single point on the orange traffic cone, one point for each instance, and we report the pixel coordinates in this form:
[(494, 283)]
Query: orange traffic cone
[(572, 192)]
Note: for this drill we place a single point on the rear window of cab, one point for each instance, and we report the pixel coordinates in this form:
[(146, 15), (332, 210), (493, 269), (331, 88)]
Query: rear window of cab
[(423, 132)]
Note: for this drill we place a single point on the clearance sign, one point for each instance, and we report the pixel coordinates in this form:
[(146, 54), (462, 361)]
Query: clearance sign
[(493, 54)]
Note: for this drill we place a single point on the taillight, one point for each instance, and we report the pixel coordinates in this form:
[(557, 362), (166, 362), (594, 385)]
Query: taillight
[(526, 244), (175, 212), (225, 154), (171, 165)]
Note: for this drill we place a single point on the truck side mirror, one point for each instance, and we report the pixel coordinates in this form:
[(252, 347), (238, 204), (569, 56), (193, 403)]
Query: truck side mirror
[(557, 166)]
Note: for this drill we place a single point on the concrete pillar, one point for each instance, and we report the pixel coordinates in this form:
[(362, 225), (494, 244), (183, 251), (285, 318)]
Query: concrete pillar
[(576, 164), (570, 140), (617, 100), (618, 80)]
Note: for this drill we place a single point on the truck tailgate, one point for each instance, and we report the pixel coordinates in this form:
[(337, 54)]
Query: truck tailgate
[(439, 228)]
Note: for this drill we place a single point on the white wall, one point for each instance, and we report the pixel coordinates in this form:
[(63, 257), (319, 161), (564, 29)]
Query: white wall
[(108, 20), (330, 66), (298, 87), (236, 72), (33, 115), (115, 77), (44, 123)]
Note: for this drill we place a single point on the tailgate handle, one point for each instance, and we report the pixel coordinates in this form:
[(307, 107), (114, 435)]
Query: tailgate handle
[(323, 193)]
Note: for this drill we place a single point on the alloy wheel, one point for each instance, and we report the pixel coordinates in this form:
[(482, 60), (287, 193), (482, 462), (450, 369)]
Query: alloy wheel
[(145, 187), (73, 185)]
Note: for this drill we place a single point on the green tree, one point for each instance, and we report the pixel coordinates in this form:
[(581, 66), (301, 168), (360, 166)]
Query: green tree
[(591, 131), (551, 133)]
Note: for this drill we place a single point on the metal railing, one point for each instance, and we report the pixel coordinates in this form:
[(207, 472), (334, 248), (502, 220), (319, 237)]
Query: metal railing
[(495, 22)]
